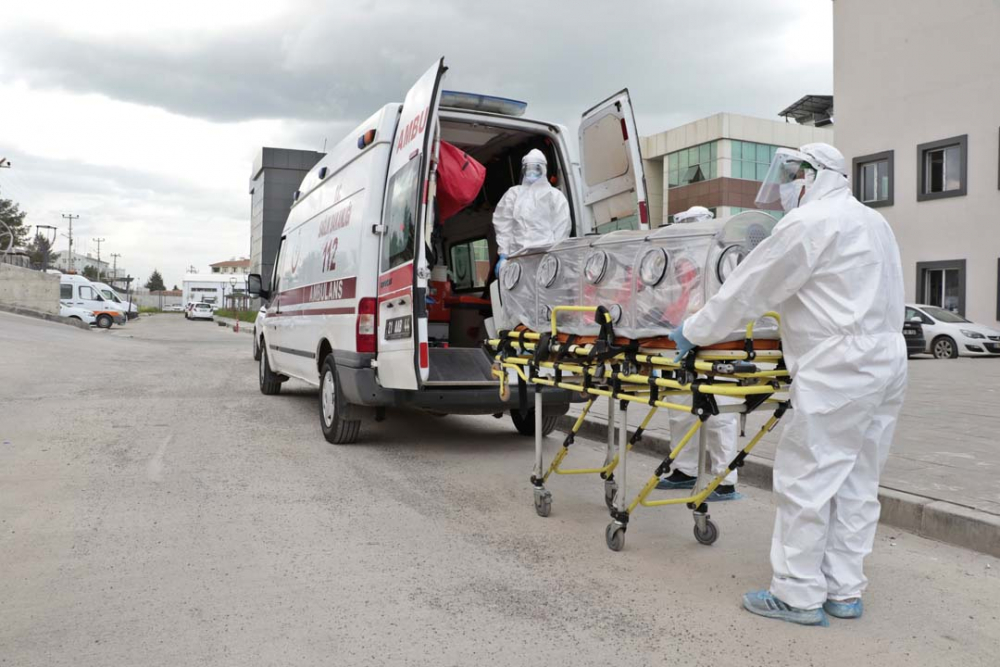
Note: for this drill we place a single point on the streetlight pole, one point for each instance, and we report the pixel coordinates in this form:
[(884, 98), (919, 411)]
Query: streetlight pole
[(232, 297), (48, 245)]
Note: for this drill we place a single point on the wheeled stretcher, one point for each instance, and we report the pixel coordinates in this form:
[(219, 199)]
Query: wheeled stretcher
[(643, 372)]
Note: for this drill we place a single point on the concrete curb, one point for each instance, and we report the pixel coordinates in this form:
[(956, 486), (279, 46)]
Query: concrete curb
[(927, 517), (28, 312)]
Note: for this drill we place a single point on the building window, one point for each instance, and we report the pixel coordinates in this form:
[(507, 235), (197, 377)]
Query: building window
[(942, 284), (943, 167), (215, 269), (750, 161), (873, 179), (691, 165)]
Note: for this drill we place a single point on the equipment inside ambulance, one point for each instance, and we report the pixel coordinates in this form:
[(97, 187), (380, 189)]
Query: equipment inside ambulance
[(379, 291)]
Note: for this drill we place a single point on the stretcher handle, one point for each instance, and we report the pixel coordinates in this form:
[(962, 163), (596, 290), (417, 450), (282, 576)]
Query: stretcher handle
[(773, 315)]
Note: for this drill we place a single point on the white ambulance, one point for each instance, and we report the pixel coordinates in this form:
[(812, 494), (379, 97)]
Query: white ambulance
[(361, 253)]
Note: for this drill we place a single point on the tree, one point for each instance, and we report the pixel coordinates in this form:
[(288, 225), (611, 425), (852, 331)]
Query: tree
[(155, 282), (12, 216), (176, 288), (90, 272), (40, 245)]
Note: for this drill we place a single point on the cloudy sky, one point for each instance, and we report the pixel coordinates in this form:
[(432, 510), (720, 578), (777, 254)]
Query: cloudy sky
[(143, 118)]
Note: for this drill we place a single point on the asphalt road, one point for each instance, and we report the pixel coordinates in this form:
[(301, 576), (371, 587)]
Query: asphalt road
[(156, 509)]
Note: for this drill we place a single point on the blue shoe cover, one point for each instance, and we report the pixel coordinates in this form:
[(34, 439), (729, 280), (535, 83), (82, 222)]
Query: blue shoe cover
[(716, 497), (764, 604), (667, 483), (844, 608)]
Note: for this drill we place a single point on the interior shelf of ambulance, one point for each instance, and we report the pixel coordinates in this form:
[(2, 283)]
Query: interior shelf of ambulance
[(465, 253)]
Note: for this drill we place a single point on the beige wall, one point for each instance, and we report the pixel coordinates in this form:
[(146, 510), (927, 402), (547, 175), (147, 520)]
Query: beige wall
[(908, 72), (29, 289)]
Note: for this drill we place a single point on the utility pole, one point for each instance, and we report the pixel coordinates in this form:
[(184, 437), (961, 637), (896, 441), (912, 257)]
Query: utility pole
[(99, 242), (71, 218), (114, 271)]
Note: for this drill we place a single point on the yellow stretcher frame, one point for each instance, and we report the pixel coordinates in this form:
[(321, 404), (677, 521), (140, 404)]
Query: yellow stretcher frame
[(637, 387)]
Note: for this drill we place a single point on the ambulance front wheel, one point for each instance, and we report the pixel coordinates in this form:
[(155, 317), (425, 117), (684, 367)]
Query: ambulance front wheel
[(333, 408)]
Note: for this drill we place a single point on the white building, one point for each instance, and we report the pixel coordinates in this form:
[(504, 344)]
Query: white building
[(917, 84), (232, 266), (719, 161), (80, 262), (214, 288)]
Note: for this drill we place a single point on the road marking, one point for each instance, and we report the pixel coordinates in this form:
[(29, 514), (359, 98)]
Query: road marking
[(154, 469)]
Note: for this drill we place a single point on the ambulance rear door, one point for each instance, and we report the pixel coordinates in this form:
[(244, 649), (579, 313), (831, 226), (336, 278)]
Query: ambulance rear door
[(403, 354), (613, 182)]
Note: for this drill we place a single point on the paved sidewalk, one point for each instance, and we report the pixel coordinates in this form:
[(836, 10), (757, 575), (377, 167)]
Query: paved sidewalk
[(947, 444)]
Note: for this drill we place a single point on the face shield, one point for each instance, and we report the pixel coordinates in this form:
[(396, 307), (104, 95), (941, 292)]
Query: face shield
[(531, 172), (790, 171)]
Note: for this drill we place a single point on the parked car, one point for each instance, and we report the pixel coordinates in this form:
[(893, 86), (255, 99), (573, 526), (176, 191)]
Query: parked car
[(913, 333), (201, 311), (77, 313), (258, 329), (187, 309), (949, 335)]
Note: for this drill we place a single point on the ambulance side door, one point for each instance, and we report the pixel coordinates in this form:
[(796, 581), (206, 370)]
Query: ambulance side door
[(612, 178), (403, 353)]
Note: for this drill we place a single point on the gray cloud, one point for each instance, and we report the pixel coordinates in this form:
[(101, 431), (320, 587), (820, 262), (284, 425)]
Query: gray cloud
[(339, 62)]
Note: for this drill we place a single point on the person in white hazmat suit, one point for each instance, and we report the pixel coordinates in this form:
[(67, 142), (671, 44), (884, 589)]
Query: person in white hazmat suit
[(531, 214), (831, 268), (721, 431)]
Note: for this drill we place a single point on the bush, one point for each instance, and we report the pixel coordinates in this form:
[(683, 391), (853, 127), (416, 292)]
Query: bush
[(244, 315), (149, 309)]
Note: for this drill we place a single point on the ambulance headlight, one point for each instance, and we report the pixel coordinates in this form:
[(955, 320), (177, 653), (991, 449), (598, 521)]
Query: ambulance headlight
[(511, 274), (596, 266), (548, 270), (615, 312), (730, 259), (653, 267)]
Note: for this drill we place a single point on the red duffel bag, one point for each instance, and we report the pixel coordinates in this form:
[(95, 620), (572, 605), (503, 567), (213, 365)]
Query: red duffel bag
[(459, 179)]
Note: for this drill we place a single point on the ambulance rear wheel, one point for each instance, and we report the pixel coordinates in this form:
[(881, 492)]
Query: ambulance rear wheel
[(332, 408), (525, 425), (104, 321)]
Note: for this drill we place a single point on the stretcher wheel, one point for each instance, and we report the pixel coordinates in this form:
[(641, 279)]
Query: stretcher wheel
[(543, 503), (709, 535), (610, 490), (615, 536)]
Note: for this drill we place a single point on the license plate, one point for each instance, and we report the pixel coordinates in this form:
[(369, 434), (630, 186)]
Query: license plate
[(398, 328), (910, 333)]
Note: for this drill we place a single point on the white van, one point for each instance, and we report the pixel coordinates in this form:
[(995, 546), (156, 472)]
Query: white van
[(78, 291), (361, 252), (130, 309)]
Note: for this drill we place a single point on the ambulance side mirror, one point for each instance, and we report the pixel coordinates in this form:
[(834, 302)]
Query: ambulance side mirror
[(256, 286)]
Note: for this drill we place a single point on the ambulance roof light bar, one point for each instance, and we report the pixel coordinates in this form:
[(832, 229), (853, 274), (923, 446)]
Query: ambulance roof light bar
[(475, 102)]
